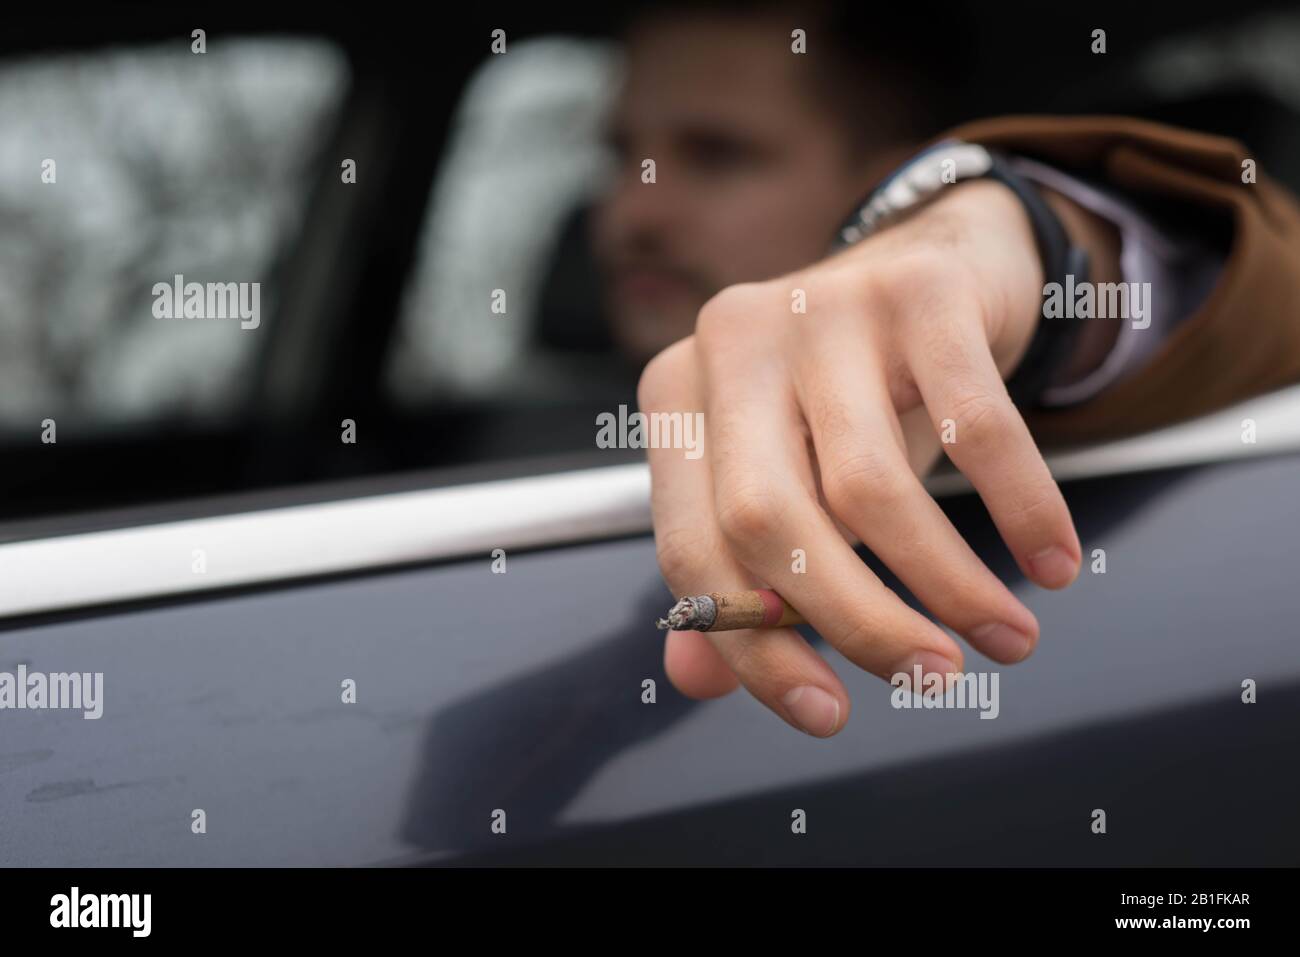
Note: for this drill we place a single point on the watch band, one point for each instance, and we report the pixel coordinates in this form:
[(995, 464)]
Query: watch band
[(1053, 340), (922, 178)]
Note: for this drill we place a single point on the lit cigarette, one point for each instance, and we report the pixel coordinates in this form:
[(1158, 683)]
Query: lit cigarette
[(730, 611)]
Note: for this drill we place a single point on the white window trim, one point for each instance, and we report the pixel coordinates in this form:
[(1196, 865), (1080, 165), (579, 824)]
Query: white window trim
[(150, 561)]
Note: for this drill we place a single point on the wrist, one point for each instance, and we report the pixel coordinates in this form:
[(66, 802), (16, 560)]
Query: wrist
[(997, 240), (983, 225)]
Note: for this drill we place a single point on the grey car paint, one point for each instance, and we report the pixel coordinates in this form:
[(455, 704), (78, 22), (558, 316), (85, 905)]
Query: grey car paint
[(522, 692)]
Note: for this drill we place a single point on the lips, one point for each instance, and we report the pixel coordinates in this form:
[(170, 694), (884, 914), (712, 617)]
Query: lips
[(650, 285)]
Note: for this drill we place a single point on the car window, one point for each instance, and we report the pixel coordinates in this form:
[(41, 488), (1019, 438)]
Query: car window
[(440, 309), (524, 157), (172, 176), (123, 169)]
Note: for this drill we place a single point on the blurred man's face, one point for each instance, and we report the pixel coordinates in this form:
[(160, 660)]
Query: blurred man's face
[(752, 175)]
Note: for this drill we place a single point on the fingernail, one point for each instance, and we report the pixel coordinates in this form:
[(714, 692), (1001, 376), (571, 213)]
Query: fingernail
[(1002, 642), (813, 710), (1053, 567), (931, 663)]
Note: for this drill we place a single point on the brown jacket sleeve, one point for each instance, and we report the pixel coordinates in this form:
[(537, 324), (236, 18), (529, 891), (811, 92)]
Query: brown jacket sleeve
[(1245, 339)]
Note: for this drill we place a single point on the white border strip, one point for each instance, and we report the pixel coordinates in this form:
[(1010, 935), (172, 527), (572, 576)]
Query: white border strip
[(1212, 438), (149, 561), (305, 540)]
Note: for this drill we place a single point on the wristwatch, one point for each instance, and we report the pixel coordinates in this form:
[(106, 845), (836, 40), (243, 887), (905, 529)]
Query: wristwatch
[(921, 179)]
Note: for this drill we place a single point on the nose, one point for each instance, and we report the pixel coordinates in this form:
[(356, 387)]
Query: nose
[(636, 209)]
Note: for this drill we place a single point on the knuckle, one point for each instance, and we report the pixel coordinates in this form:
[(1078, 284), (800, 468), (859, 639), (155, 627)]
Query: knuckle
[(681, 553), (869, 478), (965, 602), (748, 516), (663, 376), (1032, 507), (969, 595), (856, 637), (829, 291), (923, 294), (727, 309), (919, 270), (923, 265), (980, 416)]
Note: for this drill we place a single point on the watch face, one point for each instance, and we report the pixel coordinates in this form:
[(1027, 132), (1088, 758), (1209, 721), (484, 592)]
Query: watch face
[(917, 180)]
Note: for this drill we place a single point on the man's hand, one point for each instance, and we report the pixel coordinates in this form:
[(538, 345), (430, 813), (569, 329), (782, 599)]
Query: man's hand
[(818, 425)]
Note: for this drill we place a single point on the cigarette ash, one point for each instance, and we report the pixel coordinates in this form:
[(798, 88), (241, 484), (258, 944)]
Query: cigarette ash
[(691, 614)]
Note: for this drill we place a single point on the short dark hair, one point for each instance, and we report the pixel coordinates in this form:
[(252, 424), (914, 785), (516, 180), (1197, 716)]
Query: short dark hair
[(891, 75)]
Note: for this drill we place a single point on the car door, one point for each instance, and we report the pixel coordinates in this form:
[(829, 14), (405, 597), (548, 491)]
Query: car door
[(470, 674)]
